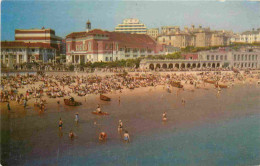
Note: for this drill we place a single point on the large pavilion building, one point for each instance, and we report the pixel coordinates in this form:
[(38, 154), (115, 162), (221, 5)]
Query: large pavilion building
[(209, 59), (98, 45)]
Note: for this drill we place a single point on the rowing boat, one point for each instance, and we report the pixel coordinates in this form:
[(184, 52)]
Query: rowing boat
[(71, 103), (100, 113), (105, 98)]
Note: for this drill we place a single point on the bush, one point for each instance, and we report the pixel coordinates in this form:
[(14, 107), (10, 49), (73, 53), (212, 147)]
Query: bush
[(71, 67)]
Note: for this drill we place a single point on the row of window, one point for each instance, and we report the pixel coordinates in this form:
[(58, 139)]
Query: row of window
[(130, 26), (30, 50), (217, 57), (245, 57), (245, 64)]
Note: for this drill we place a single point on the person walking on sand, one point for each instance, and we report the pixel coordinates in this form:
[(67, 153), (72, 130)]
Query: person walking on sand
[(8, 106), (60, 124), (24, 103)]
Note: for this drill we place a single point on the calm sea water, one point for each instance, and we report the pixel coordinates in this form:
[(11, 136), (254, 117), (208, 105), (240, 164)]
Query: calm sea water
[(207, 131)]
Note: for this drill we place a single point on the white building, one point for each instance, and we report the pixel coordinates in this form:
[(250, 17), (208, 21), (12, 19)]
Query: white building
[(17, 52), (131, 25)]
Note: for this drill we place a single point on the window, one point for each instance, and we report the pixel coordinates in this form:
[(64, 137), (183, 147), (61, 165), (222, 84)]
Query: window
[(106, 58), (249, 58), (221, 57), (216, 57), (242, 57), (127, 55), (135, 55), (89, 46), (68, 47), (225, 57), (212, 57), (235, 57), (246, 57), (207, 57), (238, 57)]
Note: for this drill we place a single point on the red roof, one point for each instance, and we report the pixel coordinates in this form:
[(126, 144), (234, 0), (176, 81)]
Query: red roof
[(129, 40), (17, 44)]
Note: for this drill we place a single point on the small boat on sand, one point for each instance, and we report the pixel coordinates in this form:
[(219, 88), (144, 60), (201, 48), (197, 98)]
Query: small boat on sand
[(176, 84), (71, 103), (105, 98), (100, 113), (220, 86), (210, 81)]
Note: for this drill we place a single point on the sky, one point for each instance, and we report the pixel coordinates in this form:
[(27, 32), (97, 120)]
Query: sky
[(71, 16)]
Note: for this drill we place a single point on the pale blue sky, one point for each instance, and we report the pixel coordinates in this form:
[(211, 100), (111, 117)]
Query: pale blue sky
[(67, 16)]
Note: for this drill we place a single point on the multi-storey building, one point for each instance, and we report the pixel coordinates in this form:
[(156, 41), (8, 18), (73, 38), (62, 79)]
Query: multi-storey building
[(153, 32), (166, 30), (198, 37), (39, 36), (237, 59), (250, 36), (207, 59), (98, 45), (131, 25), (18, 52)]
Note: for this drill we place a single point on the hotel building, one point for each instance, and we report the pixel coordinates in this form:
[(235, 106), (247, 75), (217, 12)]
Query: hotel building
[(131, 25)]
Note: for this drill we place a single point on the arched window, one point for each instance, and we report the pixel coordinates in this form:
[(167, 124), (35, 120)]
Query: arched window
[(207, 57)]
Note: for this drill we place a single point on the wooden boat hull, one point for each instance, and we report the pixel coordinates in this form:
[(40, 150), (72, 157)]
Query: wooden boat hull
[(176, 84), (104, 98), (71, 103), (210, 81), (221, 86), (102, 113)]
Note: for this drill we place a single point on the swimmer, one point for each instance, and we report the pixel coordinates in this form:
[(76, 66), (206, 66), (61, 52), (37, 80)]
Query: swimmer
[(71, 135), (60, 124), (102, 136), (126, 137)]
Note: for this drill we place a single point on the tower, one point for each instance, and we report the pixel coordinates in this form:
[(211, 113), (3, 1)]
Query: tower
[(88, 26)]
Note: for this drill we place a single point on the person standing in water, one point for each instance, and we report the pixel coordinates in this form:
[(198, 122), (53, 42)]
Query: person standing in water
[(126, 137), (77, 118), (164, 116), (120, 126), (60, 124), (98, 109)]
